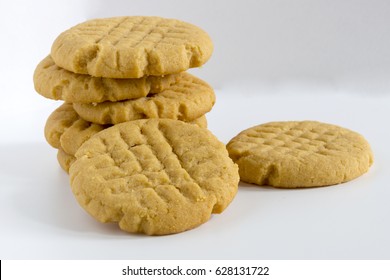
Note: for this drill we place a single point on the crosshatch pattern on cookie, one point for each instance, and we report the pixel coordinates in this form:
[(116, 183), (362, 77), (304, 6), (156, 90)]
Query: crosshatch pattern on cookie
[(298, 139), (171, 176), (137, 46), (299, 154), (186, 100), (134, 32)]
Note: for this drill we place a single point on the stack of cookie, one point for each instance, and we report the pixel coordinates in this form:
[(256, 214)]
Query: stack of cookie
[(131, 129), (114, 70)]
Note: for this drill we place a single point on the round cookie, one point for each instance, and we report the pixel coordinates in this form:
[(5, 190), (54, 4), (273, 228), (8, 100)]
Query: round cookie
[(187, 99), (65, 129), (131, 47), (57, 83), (65, 160), (154, 176), (299, 154)]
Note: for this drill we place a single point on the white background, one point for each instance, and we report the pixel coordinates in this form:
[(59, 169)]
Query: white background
[(273, 60)]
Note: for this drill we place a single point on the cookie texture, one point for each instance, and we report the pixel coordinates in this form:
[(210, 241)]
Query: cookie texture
[(65, 160), (154, 176), (131, 47), (186, 100), (57, 83), (299, 154), (65, 129), (201, 121)]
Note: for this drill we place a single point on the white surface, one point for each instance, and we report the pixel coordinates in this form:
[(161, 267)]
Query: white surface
[(273, 60)]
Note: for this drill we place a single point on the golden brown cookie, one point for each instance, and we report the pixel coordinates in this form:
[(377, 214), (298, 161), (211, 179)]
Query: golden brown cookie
[(299, 154), (154, 176), (131, 47), (65, 160), (201, 121), (186, 100), (59, 121), (66, 130), (57, 83)]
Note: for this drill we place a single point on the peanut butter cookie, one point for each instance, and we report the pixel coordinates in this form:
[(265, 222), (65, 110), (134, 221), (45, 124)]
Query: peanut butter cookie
[(131, 47), (66, 130), (154, 176), (299, 154), (186, 100), (57, 83)]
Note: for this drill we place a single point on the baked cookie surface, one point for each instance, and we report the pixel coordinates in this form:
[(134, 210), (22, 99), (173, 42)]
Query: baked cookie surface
[(64, 159), (154, 176), (299, 154), (131, 47), (57, 83), (186, 100), (65, 129)]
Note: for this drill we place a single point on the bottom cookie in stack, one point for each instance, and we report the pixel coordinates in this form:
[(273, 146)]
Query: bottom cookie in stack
[(66, 131)]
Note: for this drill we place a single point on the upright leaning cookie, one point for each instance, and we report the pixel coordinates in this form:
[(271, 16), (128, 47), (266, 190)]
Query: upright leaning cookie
[(299, 154), (154, 176), (131, 47)]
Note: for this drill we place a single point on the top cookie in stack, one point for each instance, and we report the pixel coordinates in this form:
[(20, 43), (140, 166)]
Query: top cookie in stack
[(131, 47), (125, 68)]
